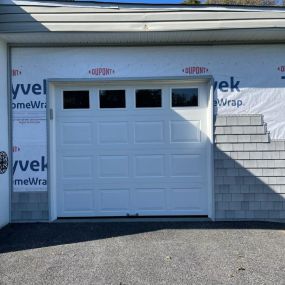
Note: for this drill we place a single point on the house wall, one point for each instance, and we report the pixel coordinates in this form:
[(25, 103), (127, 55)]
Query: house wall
[(249, 170), (4, 177), (29, 206), (249, 174)]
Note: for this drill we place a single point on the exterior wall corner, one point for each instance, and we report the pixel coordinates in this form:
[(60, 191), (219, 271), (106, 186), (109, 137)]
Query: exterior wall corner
[(5, 160)]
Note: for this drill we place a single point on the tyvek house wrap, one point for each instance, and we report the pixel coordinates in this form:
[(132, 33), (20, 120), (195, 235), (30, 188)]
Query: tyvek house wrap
[(248, 80)]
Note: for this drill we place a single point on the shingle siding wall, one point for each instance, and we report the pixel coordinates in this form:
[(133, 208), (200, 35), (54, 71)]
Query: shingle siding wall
[(31, 206), (249, 170)]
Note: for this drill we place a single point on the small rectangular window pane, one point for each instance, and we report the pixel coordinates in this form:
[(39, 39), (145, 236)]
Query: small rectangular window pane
[(185, 97), (148, 98), (76, 99), (112, 99)]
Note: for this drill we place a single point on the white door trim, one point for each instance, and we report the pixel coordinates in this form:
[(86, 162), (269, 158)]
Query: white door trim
[(54, 84)]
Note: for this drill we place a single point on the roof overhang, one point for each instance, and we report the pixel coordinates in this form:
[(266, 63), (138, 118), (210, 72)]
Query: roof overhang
[(65, 23)]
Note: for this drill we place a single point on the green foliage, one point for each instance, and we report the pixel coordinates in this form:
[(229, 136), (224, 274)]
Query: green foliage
[(237, 2), (243, 2), (193, 2)]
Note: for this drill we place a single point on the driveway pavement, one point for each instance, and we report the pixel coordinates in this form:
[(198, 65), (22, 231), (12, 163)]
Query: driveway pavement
[(143, 253)]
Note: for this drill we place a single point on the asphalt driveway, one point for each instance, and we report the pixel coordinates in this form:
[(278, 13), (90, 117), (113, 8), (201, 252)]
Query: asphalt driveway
[(143, 253)]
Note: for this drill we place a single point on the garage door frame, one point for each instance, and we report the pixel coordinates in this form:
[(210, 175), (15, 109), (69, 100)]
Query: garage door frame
[(54, 83)]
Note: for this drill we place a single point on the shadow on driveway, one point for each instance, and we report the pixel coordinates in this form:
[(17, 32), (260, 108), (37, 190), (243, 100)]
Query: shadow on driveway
[(16, 237)]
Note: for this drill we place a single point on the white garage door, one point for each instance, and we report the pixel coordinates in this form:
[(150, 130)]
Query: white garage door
[(131, 150)]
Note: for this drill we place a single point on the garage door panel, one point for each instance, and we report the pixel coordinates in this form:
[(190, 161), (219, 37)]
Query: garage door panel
[(70, 114), (150, 199), (70, 185), (81, 201), (113, 166), (113, 132), (113, 200), (77, 167), (69, 150), (185, 131), (149, 132), (186, 165), (83, 133), (187, 198), (150, 165), (186, 113)]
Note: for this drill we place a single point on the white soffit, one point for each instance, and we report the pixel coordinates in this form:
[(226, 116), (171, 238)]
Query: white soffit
[(158, 38), (105, 23)]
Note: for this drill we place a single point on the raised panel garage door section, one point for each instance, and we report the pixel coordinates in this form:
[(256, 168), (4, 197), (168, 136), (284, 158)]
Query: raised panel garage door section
[(131, 150)]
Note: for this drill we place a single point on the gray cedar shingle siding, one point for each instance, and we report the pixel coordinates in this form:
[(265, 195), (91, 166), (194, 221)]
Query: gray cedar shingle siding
[(31, 206), (249, 170)]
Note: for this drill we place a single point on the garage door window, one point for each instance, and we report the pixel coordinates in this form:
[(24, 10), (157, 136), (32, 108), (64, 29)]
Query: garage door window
[(112, 99), (78, 99), (185, 97), (148, 98)]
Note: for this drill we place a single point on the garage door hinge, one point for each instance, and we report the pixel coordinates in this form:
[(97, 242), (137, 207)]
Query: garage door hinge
[(51, 114)]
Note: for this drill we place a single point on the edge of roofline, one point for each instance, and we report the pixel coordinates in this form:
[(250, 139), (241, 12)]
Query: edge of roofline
[(89, 3)]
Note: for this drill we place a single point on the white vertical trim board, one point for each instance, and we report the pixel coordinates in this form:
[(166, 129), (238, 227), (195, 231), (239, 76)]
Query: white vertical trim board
[(210, 120), (4, 139)]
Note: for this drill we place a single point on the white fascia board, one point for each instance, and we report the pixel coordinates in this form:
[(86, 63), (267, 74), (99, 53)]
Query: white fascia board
[(5, 134)]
